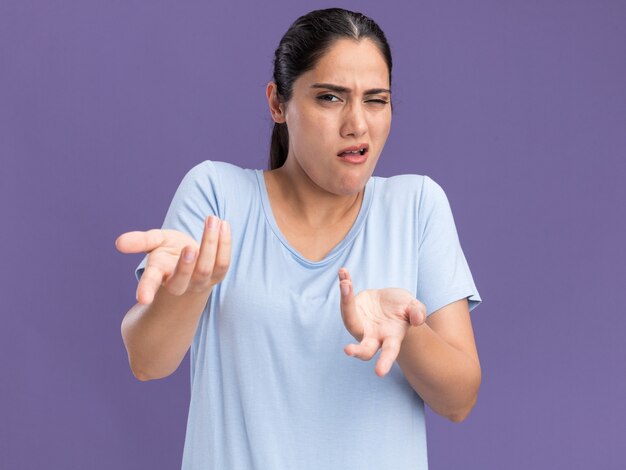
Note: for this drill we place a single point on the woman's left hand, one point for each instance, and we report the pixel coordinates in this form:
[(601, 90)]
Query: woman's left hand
[(378, 318)]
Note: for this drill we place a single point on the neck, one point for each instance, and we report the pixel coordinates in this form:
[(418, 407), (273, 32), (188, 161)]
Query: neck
[(313, 206)]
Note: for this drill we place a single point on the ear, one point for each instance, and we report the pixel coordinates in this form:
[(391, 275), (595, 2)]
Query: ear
[(277, 109)]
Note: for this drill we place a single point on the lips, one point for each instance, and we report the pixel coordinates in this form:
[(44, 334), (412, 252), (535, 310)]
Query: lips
[(360, 149)]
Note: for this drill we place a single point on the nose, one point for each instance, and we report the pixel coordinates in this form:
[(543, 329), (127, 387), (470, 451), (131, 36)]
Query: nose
[(354, 122)]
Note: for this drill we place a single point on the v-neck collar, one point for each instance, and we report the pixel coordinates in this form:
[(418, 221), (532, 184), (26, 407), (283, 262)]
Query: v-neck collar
[(354, 230)]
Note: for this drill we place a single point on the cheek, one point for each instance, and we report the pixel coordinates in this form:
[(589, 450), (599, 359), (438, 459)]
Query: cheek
[(315, 121), (312, 130), (383, 126)]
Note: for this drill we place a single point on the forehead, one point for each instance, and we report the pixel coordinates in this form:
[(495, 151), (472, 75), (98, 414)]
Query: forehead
[(352, 64)]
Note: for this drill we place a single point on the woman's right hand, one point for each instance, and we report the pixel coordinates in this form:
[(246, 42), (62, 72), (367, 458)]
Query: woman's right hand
[(173, 259)]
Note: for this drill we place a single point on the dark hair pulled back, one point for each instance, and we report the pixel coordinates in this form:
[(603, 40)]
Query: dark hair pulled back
[(303, 45)]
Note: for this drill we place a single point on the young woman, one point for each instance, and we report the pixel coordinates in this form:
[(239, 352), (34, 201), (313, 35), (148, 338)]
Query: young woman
[(268, 275)]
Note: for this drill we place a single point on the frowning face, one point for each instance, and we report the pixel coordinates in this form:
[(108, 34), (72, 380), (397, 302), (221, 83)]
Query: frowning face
[(343, 102)]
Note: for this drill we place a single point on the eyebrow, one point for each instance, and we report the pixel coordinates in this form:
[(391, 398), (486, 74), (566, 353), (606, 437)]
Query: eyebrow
[(341, 89)]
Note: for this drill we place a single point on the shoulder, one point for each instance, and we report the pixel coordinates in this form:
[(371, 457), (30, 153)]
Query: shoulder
[(214, 168), (421, 189), (214, 183), (219, 175), (416, 199), (234, 188), (227, 170)]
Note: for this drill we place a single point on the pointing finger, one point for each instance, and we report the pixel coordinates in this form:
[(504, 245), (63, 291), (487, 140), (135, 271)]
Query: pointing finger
[(138, 242)]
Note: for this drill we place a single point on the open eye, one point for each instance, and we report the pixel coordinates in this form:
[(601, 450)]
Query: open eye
[(323, 98)]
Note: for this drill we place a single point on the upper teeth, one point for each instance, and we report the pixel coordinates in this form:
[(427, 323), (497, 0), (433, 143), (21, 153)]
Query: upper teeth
[(356, 151)]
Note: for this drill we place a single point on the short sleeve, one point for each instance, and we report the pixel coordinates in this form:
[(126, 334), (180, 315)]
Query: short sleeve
[(198, 196), (443, 273)]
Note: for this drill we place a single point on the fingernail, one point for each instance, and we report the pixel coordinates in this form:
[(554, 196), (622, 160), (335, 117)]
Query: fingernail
[(224, 227), (213, 223)]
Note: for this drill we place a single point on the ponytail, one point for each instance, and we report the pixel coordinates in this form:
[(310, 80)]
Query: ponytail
[(279, 146)]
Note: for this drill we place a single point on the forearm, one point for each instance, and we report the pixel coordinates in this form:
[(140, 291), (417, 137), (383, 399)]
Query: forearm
[(158, 336), (446, 378)]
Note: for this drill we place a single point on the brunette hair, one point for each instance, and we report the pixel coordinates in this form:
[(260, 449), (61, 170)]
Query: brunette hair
[(303, 45)]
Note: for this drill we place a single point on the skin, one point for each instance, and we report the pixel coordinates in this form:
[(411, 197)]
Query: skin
[(177, 262), (378, 318), (316, 190), (318, 195), (320, 187)]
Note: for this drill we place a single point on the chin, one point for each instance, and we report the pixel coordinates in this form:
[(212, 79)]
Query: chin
[(352, 188)]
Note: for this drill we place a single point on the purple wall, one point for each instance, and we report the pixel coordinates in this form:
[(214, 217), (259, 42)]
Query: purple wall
[(518, 109)]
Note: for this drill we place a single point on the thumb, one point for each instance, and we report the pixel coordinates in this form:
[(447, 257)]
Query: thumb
[(348, 305), (417, 312)]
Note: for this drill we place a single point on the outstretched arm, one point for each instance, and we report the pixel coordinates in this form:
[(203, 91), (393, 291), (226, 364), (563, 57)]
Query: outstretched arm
[(172, 293), (437, 354), (440, 361)]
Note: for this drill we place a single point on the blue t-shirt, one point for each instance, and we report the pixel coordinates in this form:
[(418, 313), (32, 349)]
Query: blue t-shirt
[(271, 387)]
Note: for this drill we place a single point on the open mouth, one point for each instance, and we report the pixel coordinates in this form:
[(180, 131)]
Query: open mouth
[(356, 157), (361, 150)]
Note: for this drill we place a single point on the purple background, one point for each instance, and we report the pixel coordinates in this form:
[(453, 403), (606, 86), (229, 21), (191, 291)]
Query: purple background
[(518, 109)]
